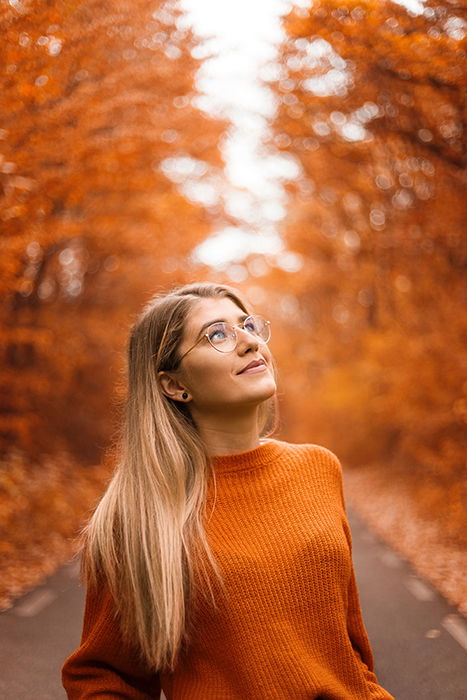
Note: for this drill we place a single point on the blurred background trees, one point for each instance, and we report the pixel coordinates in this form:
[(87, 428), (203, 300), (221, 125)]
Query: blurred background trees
[(100, 135), (96, 108), (94, 104), (372, 104)]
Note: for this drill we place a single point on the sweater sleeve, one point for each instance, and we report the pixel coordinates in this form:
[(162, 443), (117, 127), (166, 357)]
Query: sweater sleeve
[(104, 667), (355, 626)]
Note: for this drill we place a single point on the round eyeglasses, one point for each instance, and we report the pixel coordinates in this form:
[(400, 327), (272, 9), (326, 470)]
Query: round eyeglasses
[(223, 337)]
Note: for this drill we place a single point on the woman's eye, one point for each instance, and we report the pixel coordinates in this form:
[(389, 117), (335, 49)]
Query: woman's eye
[(217, 335), (250, 326)]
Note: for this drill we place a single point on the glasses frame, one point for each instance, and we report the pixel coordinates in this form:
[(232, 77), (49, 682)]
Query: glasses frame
[(235, 327)]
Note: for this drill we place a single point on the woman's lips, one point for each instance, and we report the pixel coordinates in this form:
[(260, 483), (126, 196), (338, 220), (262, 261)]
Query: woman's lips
[(253, 370)]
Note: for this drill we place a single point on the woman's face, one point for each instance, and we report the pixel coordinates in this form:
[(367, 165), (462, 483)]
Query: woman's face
[(216, 380)]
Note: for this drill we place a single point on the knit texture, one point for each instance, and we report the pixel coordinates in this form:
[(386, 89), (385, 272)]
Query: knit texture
[(288, 623)]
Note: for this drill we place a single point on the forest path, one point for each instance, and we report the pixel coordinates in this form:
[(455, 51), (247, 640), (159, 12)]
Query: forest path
[(419, 641)]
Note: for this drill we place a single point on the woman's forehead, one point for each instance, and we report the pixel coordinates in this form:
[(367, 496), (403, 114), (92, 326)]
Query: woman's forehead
[(212, 309)]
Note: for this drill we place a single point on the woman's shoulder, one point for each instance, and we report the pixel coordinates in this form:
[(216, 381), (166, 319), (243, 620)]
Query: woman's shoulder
[(310, 453), (311, 458), (314, 466)]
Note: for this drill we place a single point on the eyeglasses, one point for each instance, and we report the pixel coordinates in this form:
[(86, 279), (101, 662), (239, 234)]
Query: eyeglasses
[(223, 337)]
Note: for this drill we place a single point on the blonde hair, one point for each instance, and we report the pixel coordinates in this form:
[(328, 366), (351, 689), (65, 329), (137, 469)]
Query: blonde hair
[(146, 538)]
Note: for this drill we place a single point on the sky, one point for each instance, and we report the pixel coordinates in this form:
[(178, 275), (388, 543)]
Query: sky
[(237, 54)]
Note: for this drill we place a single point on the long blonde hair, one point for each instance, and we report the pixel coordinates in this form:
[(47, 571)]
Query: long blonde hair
[(146, 537)]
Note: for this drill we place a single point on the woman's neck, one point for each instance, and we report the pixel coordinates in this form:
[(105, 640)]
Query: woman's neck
[(224, 435)]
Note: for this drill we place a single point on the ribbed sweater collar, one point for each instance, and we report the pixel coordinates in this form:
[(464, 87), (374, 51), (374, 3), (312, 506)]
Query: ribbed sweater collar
[(251, 459)]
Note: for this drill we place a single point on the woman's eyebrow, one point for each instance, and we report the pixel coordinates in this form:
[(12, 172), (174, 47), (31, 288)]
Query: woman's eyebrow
[(219, 320)]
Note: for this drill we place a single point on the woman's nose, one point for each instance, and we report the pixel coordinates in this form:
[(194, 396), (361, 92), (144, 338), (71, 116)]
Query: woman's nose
[(246, 340)]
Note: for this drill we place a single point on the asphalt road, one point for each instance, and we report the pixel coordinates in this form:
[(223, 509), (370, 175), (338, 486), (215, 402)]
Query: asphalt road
[(419, 641)]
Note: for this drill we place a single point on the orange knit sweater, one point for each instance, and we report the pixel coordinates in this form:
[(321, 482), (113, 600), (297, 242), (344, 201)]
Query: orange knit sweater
[(288, 625)]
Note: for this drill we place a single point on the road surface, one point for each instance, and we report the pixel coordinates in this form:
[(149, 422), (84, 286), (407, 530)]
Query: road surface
[(419, 641)]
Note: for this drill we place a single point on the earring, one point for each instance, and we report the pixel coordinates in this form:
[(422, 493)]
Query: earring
[(184, 395)]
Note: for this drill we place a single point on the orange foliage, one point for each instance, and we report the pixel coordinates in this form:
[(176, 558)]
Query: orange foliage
[(94, 102), (41, 509), (371, 104), (97, 113)]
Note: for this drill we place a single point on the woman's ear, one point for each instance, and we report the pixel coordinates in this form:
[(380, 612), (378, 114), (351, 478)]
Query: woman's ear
[(171, 387)]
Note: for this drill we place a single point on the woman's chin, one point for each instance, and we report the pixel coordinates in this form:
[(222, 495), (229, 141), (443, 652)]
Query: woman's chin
[(265, 392)]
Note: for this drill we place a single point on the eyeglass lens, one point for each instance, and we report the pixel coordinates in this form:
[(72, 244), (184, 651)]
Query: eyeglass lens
[(223, 337)]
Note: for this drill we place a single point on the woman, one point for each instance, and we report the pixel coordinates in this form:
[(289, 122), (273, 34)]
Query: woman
[(218, 563)]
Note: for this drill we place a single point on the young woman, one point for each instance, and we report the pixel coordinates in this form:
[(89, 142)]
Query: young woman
[(218, 563)]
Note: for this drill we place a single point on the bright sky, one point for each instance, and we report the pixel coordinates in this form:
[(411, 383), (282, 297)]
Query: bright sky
[(239, 41)]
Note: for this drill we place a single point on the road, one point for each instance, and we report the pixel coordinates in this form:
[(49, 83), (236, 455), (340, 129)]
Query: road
[(419, 641)]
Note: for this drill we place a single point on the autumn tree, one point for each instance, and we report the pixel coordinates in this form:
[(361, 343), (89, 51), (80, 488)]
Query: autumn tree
[(371, 104), (97, 108)]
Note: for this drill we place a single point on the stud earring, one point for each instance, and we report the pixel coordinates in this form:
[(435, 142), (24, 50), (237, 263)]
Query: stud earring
[(184, 395)]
